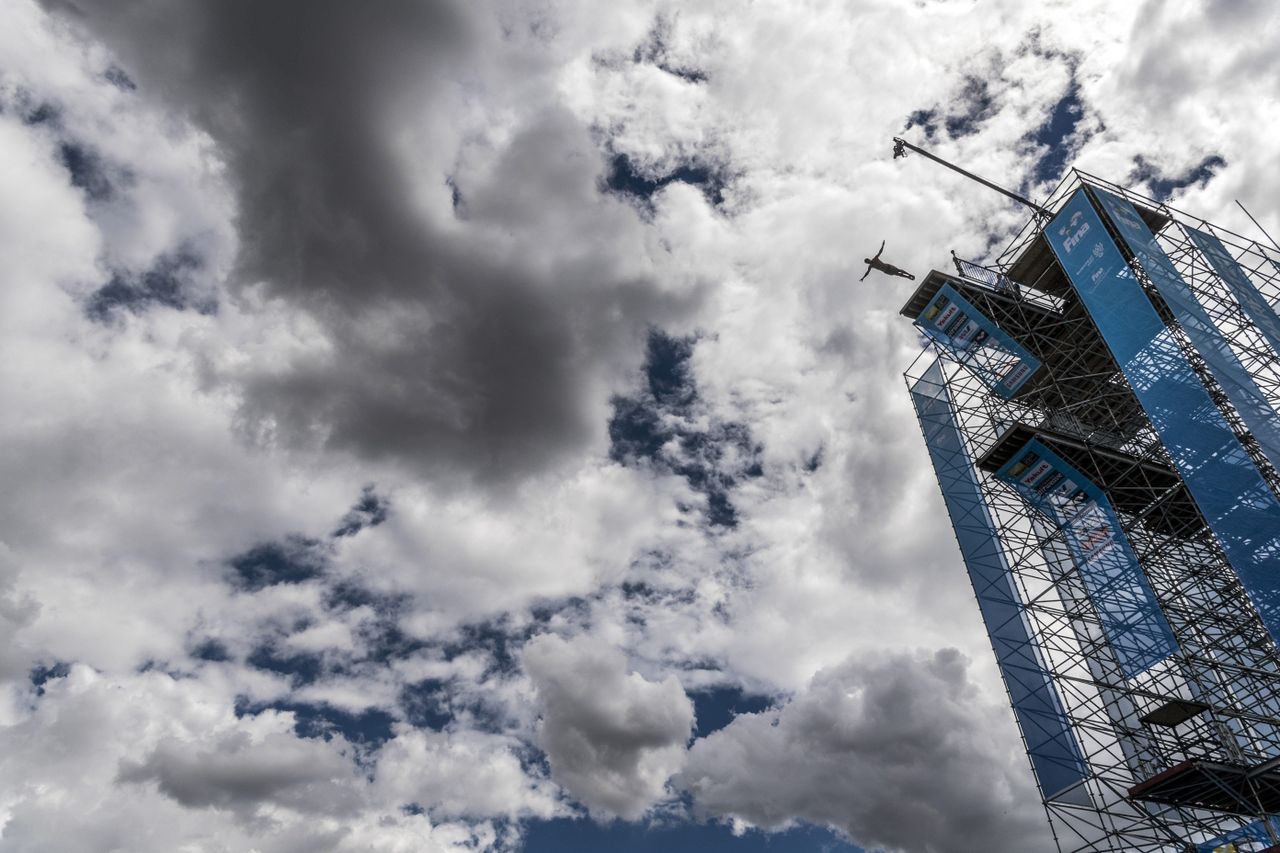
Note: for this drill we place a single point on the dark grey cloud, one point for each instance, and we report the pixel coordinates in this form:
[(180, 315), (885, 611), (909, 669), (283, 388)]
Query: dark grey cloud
[(453, 351), (896, 751), (613, 738), (239, 774)]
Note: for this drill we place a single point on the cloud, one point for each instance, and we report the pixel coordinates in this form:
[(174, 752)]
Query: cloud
[(465, 775), (16, 612), (151, 763), (476, 347), (899, 752), (613, 738), (240, 773)]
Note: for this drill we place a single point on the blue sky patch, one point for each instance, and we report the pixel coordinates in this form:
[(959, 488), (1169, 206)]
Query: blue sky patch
[(926, 120), (494, 638), (212, 650), (1054, 133), (973, 105), (963, 115), (384, 642), (42, 674), (116, 76), (654, 51), (41, 113), (370, 727), (348, 594), (626, 179), (370, 511), (427, 704), (655, 427), (293, 560), (87, 170), (716, 708), (300, 667), (642, 593), (1163, 186), (165, 284)]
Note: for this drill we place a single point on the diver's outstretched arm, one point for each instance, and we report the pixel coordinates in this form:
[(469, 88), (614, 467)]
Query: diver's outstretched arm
[(865, 274), (879, 253)]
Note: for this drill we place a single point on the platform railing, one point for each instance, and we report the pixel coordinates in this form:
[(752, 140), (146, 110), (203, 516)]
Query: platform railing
[(998, 282)]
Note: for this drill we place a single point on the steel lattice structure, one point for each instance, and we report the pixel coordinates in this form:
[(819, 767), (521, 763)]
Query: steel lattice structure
[(1160, 732)]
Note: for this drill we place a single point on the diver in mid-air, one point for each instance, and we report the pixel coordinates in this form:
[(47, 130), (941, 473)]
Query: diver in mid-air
[(886, 268)]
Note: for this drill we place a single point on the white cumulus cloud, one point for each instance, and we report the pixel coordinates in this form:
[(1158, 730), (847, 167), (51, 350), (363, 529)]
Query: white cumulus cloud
[(613, 737)]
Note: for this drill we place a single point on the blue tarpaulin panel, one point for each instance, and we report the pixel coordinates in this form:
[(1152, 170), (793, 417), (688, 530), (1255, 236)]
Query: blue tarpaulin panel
[(1252, 405), (998, 360), (1054, 752), (1256, 831), (1255, 305), (1131, 617), (1230, 492)]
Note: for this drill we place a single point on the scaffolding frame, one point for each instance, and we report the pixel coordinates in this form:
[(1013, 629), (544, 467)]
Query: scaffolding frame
[(1187, 752)]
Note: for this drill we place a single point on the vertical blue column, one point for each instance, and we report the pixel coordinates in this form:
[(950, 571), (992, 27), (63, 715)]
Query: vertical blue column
[(1209, 341), (1055, 755), (1127, 609), (998, 360), (1237, 503), (1255, 305)]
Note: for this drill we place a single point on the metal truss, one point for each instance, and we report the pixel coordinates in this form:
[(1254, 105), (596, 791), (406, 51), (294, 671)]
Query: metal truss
[(1185, 752)]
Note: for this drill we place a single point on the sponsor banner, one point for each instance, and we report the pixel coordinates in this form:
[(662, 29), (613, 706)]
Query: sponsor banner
[(1239, 507), (1246, 397), (1131, 617), (1055, 755), (996, 358), (1253, 303), (1226, 843)]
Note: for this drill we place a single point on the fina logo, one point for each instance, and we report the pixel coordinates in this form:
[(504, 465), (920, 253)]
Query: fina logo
[(1074, 240)]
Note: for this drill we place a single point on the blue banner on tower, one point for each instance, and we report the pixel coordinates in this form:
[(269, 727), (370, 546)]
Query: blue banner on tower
[(997, 359), (1246, 397), (1256, 831), (1229, 270), (1055, 754), (1236, 502), (1127, 608)]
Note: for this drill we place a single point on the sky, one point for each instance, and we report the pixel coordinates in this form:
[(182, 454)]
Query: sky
[(456, 425)]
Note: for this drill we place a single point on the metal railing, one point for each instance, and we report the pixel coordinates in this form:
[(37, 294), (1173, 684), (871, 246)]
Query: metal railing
[(998, 282)]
